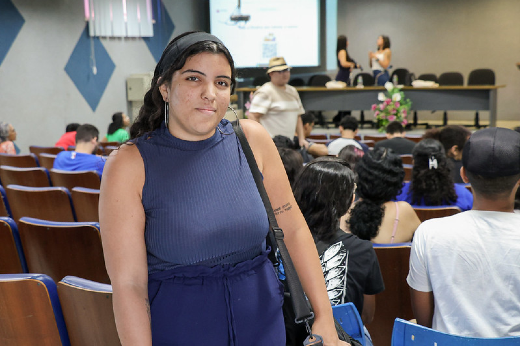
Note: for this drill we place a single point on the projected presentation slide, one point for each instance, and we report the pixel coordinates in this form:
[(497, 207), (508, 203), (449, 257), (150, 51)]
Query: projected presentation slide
[(256, 30)]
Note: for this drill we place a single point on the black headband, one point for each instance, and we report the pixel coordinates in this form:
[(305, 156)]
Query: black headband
[(180, 46)]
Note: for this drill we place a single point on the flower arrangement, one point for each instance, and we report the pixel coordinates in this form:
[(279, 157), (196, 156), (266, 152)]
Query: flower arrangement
[(393, 107)]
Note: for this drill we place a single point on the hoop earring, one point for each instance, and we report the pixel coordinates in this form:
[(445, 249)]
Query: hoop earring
[(218, 127), (166, 113)]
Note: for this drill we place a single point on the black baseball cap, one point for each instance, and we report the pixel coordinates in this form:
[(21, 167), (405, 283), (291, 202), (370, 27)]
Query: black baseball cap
[(493, 152)]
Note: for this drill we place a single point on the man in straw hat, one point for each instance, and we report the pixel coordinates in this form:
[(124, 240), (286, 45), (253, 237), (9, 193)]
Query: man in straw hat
[(465, 269), (277, 105)]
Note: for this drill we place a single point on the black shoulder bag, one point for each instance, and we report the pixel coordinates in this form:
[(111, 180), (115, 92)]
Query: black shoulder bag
[(302, 311)]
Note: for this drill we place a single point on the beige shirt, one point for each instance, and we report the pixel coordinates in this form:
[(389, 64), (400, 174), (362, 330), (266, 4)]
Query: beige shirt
[(280, 108)]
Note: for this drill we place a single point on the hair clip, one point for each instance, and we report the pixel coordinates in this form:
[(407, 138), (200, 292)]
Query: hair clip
[(432, 163)]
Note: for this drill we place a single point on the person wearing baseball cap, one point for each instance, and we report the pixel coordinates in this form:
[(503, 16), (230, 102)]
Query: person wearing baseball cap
[(277, 106), (465, 269)]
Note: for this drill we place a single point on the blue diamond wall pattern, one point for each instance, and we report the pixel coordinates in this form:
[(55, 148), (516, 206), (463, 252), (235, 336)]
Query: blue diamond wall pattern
[(11, 22), (162, 30), (90, 75)]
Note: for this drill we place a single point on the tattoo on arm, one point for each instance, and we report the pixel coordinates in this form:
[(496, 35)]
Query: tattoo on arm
[(282, 209), (147, 302)]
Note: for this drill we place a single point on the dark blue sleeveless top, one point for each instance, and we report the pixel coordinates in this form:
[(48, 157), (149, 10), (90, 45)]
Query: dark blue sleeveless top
[(200, 201)]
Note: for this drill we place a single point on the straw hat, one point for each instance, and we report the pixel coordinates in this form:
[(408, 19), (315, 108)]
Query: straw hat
[(277, 64)]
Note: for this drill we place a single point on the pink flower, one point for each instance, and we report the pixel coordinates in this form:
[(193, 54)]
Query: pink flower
[(382, 106), (404, 112), (397, 104), (391, 117), (388, 101), (374, 106), (405, 122), (393, 111), (376, 113)]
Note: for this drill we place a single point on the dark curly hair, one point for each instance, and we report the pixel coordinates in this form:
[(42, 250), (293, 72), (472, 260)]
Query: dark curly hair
[(151, 113), (432, 183), (380, 179), (323, 191)]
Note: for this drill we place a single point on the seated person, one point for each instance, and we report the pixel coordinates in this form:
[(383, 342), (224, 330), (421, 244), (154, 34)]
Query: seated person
[(432, 184), (314, 149), (396, 140), (6, 144), (352, 155), (292, 162), (116, 130), (464, 269), (452, 138), (82, 158), (349, 129), (69, 137), (376, 216), (324, 191)]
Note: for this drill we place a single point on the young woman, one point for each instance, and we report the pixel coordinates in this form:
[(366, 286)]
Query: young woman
[(376, 216), (116, 130), (345, 62), (183, 223), (453, 138), (380, 60), (432, 184), (324, 191)]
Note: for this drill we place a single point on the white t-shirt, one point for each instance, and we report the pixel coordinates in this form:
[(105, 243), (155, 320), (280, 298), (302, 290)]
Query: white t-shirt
[(336, 145), (471, 262), (280, 108)]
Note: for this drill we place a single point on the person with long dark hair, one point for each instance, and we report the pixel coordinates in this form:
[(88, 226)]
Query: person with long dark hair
[(380, 60), (116, 130), (183, 225), (432, 184), (453, 138), (345, 61), (324, 191), (376, 216)]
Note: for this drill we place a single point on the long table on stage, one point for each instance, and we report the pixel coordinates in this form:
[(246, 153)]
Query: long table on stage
[(449, 98)]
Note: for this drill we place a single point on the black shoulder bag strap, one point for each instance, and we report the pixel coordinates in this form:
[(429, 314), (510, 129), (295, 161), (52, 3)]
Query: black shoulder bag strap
[(302, 310)]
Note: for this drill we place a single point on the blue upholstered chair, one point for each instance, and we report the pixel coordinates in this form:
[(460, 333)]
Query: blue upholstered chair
[(348, 317), (95, 325), (12, 258), (86, 202), (25, 176), (31, 311), (410, 334), (5, 210)]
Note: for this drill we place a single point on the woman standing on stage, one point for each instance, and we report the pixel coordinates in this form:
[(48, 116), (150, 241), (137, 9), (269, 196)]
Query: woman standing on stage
[(345, 62), (380, 60)]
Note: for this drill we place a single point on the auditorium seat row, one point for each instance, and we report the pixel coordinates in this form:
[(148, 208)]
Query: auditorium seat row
[(50, 203)]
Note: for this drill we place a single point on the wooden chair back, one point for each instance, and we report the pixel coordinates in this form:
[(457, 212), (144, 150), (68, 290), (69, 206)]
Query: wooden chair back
[(95, 325), (59, 249), (416, 139), (5, 210), (109, 144), (37, 150), (394, 301), (71, 179), (426, 213), (375, 138), (30, 311), (109, 148), (86, 203), (47, 203), (318, 136), (410, 334), (12, 258), (407, 159), (29, 160), (47, 160), (408, 169), (32, 176)]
